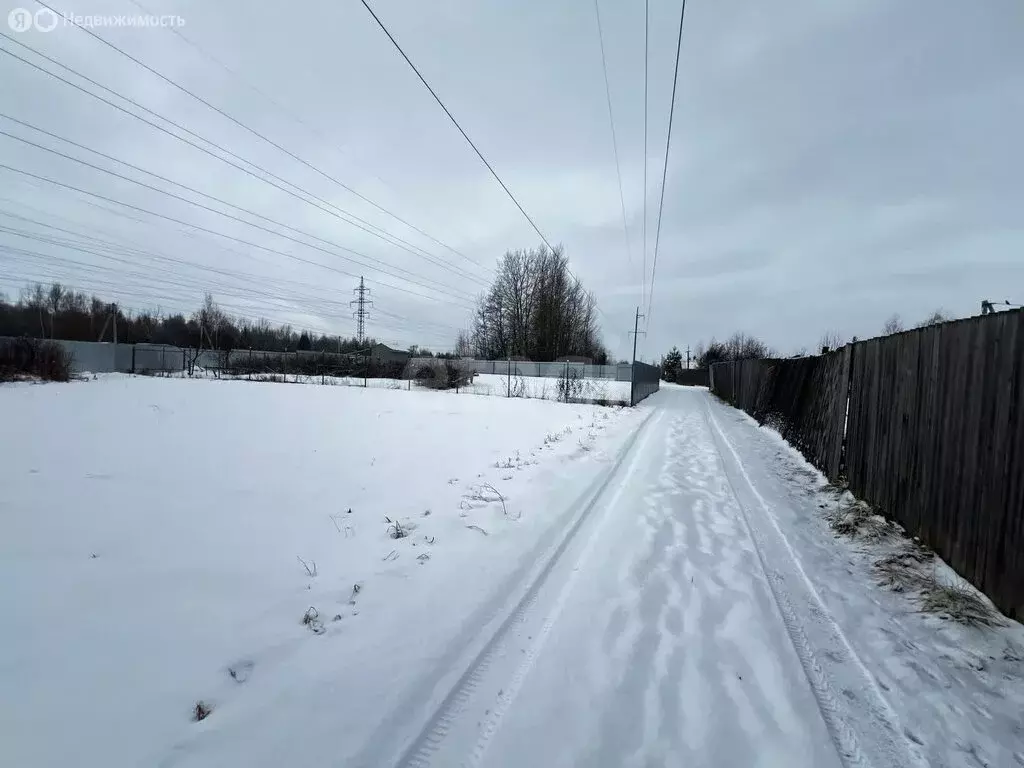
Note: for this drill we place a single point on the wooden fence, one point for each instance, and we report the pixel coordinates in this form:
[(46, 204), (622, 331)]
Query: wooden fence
[(933, 436)]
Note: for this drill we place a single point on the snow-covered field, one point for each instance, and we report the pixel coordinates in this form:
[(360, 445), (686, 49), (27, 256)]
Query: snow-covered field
[(547, 388), (569, 585), (150, 537), (605, 391)]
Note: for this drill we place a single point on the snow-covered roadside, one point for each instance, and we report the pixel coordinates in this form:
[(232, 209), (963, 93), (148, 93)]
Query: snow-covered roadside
[(956, 690), (603, 391), (151, 532)]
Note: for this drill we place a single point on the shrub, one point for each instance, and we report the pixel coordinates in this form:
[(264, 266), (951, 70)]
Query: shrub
[(440, 374), (33, 358)]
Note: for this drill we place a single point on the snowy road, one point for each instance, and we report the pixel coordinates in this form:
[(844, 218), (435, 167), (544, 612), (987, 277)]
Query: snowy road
[(674, 627)]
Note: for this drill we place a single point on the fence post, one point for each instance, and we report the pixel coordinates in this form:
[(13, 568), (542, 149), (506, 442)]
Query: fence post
[(366, 370), (133, 358), (509, 378)]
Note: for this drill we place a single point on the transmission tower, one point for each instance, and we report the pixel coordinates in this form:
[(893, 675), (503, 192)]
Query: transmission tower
[(362, 309)]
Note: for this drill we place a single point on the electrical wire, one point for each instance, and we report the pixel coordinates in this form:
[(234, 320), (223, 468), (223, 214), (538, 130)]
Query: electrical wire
[(211, 231), (104, 249), (647, 34), (456, 124), (442, 286), (312, 129), (274, 180), (229, 117), (664, 170), (611, 121), (469, 141)]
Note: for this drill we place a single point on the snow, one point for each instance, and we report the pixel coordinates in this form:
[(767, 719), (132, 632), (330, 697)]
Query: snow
[(605, 391), (608, 587), (547, 388), (149, 536)]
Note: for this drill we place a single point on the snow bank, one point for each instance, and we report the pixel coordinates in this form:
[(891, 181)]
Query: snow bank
[(162, 540)]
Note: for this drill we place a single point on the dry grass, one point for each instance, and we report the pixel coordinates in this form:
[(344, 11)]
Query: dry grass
[(311, 619), (913, 569), (201, 711), (859, 521), (961, 603), (904, 570)]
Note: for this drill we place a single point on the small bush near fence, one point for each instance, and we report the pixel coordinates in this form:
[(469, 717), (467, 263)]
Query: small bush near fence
[(33, 358), (290, 364), (439, 374)]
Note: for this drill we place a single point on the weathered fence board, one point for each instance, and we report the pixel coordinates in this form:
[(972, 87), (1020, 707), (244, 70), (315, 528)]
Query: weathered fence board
[(936, 441), (932, 433), (804, 399)]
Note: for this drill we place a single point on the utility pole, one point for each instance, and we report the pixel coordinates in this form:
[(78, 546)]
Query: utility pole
[(687, 357), (632, 368), (362, 307)]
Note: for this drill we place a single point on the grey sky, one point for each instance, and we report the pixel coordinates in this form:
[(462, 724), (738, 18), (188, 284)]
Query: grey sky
[(831, 162)]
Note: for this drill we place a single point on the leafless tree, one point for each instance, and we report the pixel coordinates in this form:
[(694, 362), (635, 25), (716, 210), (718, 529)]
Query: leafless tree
[(893, 325), (830, 340), (535, 309), (935, 318)]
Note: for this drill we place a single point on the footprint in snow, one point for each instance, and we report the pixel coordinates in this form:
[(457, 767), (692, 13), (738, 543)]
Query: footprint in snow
[(241, 670)]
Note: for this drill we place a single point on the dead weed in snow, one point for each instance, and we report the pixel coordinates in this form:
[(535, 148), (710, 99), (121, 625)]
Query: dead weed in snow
[(913, 569), (960, 602), (858, 520)]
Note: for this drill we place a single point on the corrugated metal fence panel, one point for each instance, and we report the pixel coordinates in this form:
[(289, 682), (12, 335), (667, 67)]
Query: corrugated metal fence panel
[(158, 357), (646, 380), (543, 370), (93, 356)]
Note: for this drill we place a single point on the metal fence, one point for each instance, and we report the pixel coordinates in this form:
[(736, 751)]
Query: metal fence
[(618, 372), (927, 425), (645, 382)]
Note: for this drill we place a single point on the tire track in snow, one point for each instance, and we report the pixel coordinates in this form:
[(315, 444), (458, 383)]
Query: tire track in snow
[(881, 741), (478, 679)]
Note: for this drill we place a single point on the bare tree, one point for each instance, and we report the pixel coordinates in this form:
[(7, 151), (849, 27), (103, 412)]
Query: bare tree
[(935, 318), (893, 325), (53, 303), (830, 340), (536, 309)]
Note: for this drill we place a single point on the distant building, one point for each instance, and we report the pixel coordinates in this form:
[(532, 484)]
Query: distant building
[(382, 353)]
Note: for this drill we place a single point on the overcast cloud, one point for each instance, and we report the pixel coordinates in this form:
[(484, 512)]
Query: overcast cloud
[(832, 163)]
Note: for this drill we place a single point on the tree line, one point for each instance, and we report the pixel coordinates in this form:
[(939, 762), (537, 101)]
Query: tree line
[(56, 312), (535, 309)]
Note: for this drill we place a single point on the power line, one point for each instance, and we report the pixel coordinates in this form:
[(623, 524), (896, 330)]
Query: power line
[(315, 201), (310, 128), (456, 124), (647, 31), (469, 140), (234, 120), (210, 231), (664, 170), (221, 213), (107, 246), (442, 286), (611, 121)]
